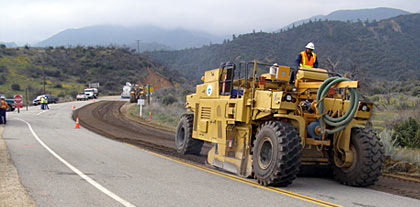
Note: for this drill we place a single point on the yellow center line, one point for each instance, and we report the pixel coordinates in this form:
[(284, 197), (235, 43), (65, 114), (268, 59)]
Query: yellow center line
[(246, 181)]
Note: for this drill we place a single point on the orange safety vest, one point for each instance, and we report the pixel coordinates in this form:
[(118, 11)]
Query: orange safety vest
[(305, 62), (4, 104)]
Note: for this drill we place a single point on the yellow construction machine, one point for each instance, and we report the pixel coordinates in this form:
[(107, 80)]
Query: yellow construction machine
[(270, 124), (137, 92)]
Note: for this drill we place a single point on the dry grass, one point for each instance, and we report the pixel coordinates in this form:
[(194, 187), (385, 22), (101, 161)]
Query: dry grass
[(398, 153), (164, 115)]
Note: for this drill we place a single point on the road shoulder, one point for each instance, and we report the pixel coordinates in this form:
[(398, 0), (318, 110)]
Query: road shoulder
[(12, 193)]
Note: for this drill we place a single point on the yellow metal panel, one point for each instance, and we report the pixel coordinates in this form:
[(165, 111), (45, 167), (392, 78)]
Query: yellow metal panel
[(277, 96), (312, 74), (208, 90), (261, 100), (336, 104), (277, 103), (364, 114), (202, 126), (288, 105), (212, 75), (283, 73), (345, 84), (241, 110)]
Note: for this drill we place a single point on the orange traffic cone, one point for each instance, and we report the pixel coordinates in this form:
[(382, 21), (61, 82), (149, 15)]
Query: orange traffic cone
[(77, 123), (73, 107), (150, 116)]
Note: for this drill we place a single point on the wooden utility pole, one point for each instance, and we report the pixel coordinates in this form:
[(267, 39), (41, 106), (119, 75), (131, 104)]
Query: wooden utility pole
[(148, 95), (43, 72), (138, 46), (26, 98)]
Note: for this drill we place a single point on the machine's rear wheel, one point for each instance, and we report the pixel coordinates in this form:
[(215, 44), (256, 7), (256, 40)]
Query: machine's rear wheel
[(276, 153), (368, 159), (184, 142)]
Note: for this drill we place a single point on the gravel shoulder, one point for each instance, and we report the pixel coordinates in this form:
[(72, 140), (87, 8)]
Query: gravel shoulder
[(12, 193)]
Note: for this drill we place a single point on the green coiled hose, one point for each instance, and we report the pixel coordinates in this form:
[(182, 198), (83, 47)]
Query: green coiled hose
[(340, 122)]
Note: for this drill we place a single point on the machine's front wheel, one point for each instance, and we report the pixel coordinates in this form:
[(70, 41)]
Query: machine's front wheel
[(368, 159), (184, 142), (276, 153)]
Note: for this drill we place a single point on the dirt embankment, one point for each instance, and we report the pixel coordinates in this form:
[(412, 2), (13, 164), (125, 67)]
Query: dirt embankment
[(155, 79)]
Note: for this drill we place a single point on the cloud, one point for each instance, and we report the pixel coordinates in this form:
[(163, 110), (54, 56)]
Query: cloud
[(35, 20)]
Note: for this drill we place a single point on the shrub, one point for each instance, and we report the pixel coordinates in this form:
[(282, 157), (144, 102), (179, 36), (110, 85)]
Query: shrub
[(169, 99), (407, 133), (3, 69), (390, 145), (73, 93), (15, 87), (53, 73), (2, 79)]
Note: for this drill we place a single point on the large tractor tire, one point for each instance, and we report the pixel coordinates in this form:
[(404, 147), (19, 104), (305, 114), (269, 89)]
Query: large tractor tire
[(184, 142), (276, 153), (368, 159)]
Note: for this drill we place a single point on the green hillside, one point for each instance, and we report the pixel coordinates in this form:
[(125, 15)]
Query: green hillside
[(69, 70), (387, 49)]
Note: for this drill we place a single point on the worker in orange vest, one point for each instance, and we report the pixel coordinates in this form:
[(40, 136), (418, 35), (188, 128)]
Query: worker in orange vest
[(307, 58), (3, 108)]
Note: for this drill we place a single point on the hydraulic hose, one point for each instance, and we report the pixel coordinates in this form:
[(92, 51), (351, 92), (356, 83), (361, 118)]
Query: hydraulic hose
[(340, 122)]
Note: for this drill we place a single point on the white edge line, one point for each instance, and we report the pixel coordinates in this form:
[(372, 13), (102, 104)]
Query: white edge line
[(80, 173), (39, 113)]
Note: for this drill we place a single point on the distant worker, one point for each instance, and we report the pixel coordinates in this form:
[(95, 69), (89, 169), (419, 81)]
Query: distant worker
[(307, 58), (46, 103), (42, 102), (3, 108)]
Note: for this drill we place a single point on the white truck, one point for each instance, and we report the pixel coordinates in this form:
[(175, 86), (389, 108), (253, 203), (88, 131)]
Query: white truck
[(91, 92), (126, 90)]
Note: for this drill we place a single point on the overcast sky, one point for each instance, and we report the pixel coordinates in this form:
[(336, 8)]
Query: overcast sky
[(30, 21)]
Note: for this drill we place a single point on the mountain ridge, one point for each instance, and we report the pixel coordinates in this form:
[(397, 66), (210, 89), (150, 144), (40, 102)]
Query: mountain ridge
[(104, 35), (354, 15), (382, 50)]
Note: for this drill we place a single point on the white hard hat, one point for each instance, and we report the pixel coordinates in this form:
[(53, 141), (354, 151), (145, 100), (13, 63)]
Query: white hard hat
[(275, 64), (310, 46), (2, 97)]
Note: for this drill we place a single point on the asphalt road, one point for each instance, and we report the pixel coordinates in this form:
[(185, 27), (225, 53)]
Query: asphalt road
[(63, 166)]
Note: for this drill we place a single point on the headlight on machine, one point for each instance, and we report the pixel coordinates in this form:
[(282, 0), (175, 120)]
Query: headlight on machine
[(364, 107), (289, 98)]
